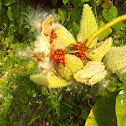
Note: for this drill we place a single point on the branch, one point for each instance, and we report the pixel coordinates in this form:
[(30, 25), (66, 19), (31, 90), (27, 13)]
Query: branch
[(109, 24)]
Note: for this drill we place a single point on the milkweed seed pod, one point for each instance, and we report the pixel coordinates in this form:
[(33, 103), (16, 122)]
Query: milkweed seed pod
[(115, 59), (61, 37), (47, 26), (52, 81), (92, 73), (72, 65), (98, 53), (64, 35), (79, 38), (88, 25), (42, 45)]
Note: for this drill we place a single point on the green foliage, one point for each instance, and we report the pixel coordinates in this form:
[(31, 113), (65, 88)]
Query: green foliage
[(110, 13), (9, 2), (62, 14), (105, 33), (65, 1), (22, 102), (70, 15), (13, 23), (19, 97), (102, 113), (120, 108)]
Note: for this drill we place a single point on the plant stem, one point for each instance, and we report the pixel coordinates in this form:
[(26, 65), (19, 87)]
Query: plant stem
[(33, 119), (76, 51), (96, 12), (109, 24)]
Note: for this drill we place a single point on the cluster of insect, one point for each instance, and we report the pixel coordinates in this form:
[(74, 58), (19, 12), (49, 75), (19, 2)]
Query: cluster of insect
[(80, 48), (58, 55)]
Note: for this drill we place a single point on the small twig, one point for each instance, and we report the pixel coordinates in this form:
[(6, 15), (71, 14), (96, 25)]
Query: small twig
[(96, 12), (112, 2), (76, 51), (108, 25), (89, 103), (30, 123), (89, 97)]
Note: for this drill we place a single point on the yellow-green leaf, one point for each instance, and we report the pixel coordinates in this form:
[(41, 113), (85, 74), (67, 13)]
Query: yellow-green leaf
[(103, 112), (105, 33), (65, 1), (110, 13), (121, 108), (106, 3), (52, 81)]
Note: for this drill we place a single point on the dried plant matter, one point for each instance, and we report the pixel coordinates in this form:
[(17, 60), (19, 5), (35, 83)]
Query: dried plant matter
[(60, 57), (92, 73), (51, 81)]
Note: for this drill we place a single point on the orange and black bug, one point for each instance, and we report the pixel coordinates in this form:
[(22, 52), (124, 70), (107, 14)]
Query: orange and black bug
[(58, 57), (41, 28), (46, 34), (50, 22)]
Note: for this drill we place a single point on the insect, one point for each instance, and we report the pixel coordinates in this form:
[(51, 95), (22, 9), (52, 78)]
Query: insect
[(41, 28), (58, 57), (50, 22)]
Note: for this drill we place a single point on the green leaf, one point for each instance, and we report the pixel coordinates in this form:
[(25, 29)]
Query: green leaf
[(16, 65), (54, 2), (12, 46), (29, 91), (84, 1), (110, 13), (103, 112), (76, 3), (16, 11), (3, 113), (70, 25), (62, 14), (60, 97), (1, 64), (11, 35), (75, 30), (65, 1), (30, 66), (121, 108), (9, 2), (7, 106), (76, 12), (7, 99), (1, 120), (105, 33), (32, 29), (84, 113), (0, 5), (122, 77), (10, 14), (13, 119), (106, 3), (118, 27)]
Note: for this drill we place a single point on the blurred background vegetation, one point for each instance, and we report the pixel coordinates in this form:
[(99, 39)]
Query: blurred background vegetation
[(24, 103)]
